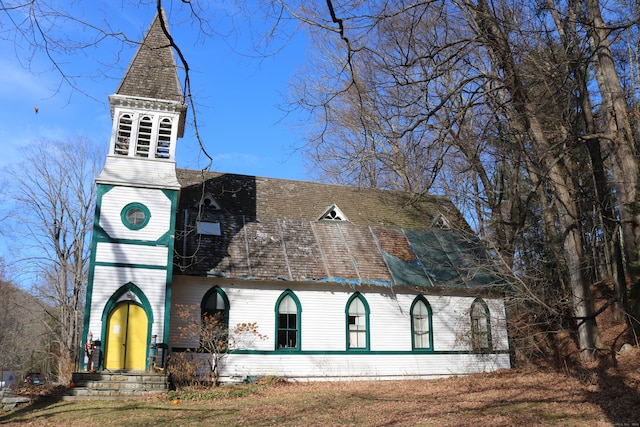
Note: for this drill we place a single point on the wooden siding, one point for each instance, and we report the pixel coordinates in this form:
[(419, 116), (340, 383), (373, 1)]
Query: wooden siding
[(107, 280), (360, 367), (149, 173), (131, 254), (323, 331), (117, 198)]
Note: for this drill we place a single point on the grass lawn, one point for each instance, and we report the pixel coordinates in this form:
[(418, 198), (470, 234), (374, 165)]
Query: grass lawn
[(511, 397)]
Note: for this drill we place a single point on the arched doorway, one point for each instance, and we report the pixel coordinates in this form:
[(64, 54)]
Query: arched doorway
[(126, 329), (127, 335)]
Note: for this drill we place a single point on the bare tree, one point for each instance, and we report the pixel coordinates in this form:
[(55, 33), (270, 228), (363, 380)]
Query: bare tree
[(23, 336), (216, 340), (53, 197), (445, 70)]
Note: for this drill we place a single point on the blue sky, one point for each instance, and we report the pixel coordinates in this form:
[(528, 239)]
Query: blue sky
[(238, 96)]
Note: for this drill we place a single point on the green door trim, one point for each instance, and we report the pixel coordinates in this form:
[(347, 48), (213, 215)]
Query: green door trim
[(137, 297)]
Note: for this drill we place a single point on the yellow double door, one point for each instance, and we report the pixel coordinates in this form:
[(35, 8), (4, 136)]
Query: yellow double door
[(127, 333)]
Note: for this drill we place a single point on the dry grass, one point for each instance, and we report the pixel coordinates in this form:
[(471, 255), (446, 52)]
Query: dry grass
[(511, 397), (604, 395)]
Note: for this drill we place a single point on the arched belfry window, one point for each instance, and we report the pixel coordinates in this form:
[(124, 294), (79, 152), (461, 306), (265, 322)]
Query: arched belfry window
[(480, 326), (144, 135), (145, 128), (288, 316), (123, 135), (164, 138)]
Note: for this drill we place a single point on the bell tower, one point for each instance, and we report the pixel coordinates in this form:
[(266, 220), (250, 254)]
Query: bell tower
[(131, 265), (148, 114)]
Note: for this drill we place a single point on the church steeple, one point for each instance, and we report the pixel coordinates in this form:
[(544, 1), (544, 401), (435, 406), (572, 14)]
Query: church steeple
[(152, 72), (148, 113), (131, 269)]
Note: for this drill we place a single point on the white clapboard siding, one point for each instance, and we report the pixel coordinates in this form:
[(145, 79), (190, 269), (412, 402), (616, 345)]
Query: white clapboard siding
[(499, 335), (360, 366), (114, 200), (323, 330), (107, 280), (149, 173), (123, 253)]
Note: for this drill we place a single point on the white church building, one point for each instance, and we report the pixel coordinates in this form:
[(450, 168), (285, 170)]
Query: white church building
[(343, 282)]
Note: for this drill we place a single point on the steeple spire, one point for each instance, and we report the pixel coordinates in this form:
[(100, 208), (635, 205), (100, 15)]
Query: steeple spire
[(152, 72)]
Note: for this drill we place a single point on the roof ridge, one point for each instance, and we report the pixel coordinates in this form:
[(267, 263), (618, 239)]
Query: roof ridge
[(353, 187)]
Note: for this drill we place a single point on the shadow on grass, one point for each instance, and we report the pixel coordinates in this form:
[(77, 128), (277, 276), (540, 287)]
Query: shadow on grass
[(23, 410), (615, 392), (122, 411)]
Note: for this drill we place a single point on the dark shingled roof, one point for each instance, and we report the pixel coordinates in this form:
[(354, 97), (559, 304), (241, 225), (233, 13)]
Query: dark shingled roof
[(270, 230), (152, 72)]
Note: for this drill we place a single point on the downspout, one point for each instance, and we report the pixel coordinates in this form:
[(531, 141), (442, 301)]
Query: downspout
[(184, 240)]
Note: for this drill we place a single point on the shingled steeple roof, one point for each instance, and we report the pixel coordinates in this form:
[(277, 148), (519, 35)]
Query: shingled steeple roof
[(152, 72)]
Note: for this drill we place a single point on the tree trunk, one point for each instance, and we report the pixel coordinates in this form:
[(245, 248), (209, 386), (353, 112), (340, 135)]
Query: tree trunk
[(559, 180), (624, 163)]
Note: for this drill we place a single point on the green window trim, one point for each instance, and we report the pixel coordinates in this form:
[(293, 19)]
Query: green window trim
[(419, 309), (221, 300), (135, 216), (373, 352), (288, 327), (480, 315), (214, 303), (354, 323)]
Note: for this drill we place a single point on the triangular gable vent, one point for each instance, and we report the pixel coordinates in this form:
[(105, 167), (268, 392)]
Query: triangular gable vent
[(209, 202), (440, 221), (333, 213)]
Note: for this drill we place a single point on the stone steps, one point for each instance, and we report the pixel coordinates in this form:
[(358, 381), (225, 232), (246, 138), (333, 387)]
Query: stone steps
[(112, 384)]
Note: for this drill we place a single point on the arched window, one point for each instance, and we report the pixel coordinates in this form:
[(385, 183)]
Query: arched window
[(216, 305), (214, 326), (421, 324), (288, 314), (357, 313), (123, 137), (144, 135), (164, 138), (145, 128), (480, 326)]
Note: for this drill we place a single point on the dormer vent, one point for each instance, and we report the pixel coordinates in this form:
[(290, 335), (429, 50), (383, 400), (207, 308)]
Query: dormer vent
[(209, 202), (333, 213), (440, 221)]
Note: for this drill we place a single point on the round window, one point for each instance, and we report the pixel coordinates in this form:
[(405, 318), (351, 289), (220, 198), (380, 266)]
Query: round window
[(135, 216)]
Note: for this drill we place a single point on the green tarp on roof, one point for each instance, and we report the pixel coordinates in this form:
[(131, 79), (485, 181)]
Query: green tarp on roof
[(445, 259)]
